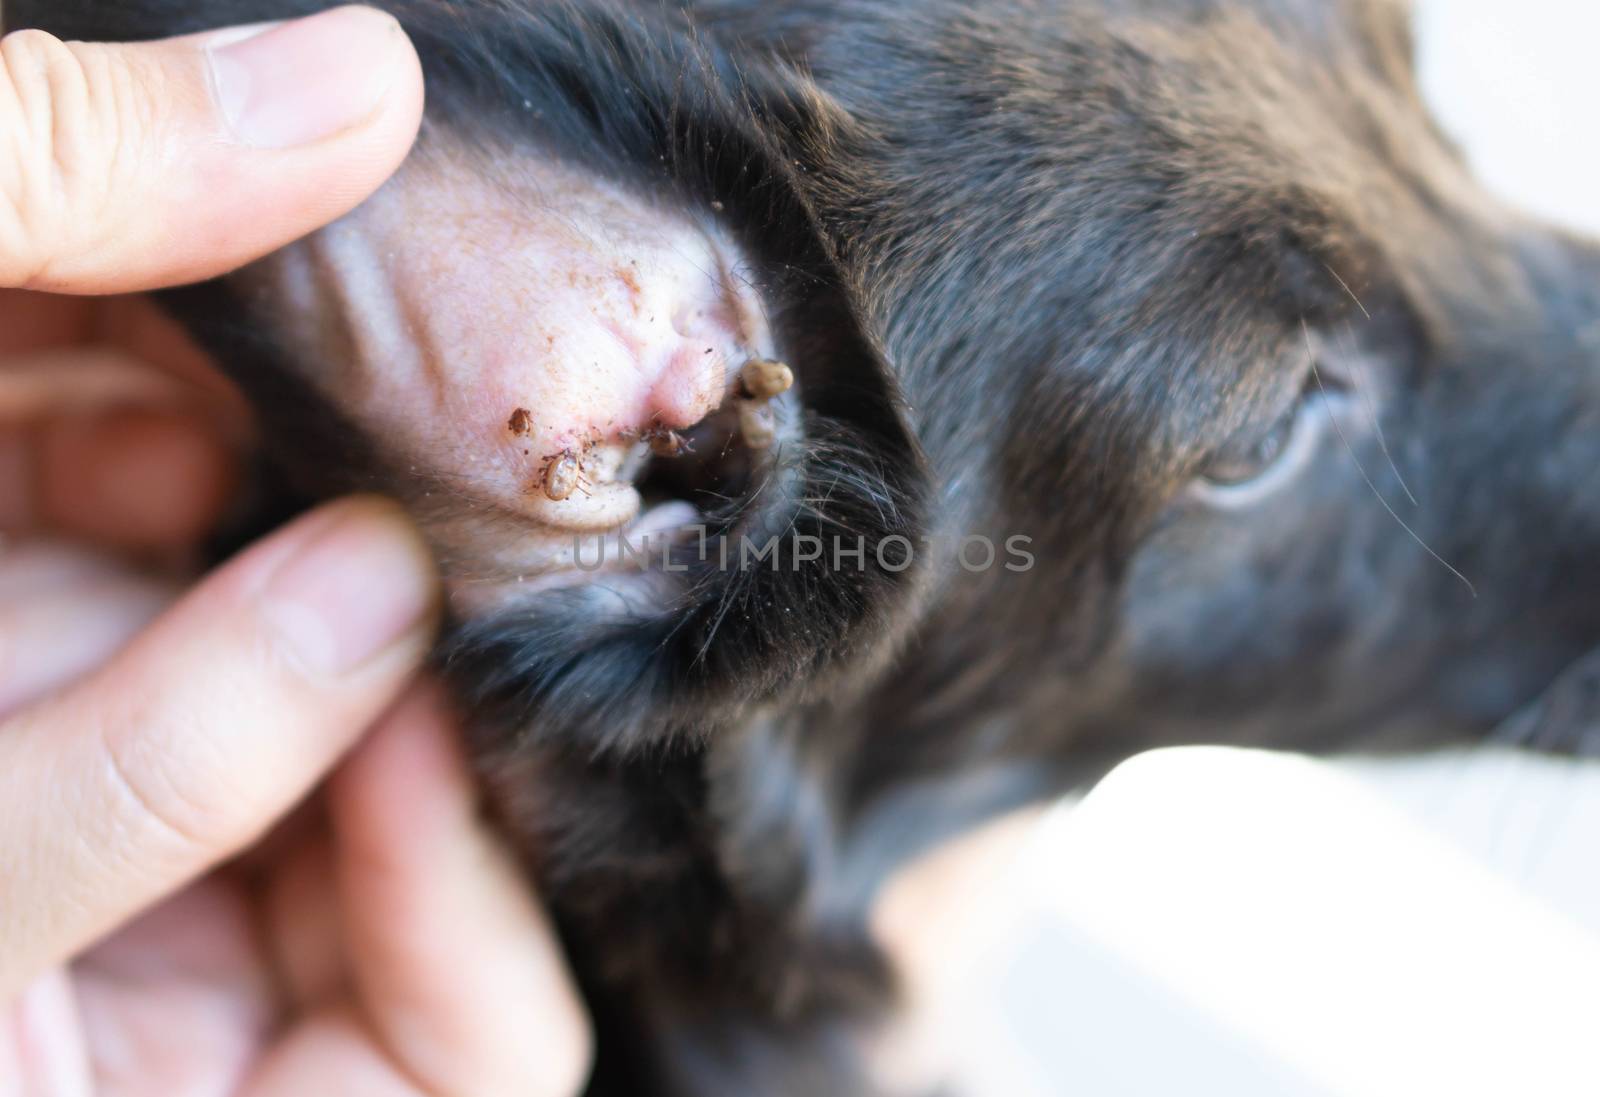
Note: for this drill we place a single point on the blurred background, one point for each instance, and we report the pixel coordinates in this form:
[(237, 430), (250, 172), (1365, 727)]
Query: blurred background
[(1518, 84), (1229, 923)]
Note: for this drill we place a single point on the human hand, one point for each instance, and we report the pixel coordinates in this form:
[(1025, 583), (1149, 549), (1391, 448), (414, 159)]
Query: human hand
[(125, 776), (384, 945)]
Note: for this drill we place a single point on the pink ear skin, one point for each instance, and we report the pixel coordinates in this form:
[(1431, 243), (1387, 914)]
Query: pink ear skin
[(519, 329)]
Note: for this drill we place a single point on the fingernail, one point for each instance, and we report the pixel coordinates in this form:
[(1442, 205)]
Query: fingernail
[(286, 84), (361, 585)]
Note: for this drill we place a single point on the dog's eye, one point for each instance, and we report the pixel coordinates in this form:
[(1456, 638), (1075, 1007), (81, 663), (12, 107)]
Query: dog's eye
[(1246, 458), (1259, 462)]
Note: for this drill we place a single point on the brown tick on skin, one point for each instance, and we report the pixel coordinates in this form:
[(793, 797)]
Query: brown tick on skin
[(667, 443), (763, 378), (521, 422), (562, 476), (757, 424)]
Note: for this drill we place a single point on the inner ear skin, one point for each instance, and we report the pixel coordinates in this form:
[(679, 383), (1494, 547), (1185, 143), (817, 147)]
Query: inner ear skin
[(488, 318)]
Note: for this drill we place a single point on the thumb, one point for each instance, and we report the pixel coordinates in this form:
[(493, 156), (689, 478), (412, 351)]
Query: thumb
[(206, 729), (129, 167)]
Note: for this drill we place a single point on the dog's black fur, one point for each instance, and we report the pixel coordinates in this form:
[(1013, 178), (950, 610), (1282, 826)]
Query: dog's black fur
[(1043, 266)]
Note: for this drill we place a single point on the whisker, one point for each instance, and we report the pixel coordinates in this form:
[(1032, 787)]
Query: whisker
[(1364, 387), (1317, 376), (1346, 287), (1366, 394)]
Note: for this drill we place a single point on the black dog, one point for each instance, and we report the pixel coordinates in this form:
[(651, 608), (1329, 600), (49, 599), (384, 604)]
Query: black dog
[(1158, 375)]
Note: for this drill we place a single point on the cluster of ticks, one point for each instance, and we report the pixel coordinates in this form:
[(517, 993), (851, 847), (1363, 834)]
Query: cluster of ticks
[(760, 381)]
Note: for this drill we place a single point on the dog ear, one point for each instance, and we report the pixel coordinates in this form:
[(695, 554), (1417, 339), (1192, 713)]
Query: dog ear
[(640, 98)]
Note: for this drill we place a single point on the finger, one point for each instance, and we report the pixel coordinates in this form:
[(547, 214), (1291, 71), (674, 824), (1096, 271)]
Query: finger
[(303, 925), (454, 962), (138, 166), (136, 324), (130, 478), (207, 728), (180, 999), (98, 445), (137, 479), (58, 380), (51, 592), (49, 335), (333, 1051), (32, 322), (43, 1052)]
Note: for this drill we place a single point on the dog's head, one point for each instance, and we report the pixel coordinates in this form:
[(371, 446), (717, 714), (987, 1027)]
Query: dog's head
[(1197, 296), (1159, 372)]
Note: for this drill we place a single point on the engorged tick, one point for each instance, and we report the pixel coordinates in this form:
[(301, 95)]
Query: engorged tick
[(763, 378), (561, 476)]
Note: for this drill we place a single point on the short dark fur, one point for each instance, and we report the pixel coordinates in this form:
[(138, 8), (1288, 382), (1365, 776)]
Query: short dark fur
[(1038, 261)]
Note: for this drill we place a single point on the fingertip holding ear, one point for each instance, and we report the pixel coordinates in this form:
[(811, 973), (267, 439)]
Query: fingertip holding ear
[(284, 85), (154, 164), (356, 589)]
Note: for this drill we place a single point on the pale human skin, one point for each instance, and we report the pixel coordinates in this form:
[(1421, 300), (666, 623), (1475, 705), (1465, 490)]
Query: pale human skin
[(163, 929)]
